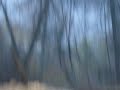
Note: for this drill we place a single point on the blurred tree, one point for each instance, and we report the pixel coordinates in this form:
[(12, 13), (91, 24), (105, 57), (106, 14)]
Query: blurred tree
[(114, 5)]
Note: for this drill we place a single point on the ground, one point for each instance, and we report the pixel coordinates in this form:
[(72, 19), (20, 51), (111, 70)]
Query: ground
[(31, 86)]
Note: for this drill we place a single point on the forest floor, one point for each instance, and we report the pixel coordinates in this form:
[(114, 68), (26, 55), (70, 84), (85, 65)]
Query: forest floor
[(31, 86), (38, 86)]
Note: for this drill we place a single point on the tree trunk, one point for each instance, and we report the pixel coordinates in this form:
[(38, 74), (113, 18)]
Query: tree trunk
[(116, 33)]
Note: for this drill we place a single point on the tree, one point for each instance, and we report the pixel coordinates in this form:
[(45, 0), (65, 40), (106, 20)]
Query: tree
[(113, 9), (22, 67)]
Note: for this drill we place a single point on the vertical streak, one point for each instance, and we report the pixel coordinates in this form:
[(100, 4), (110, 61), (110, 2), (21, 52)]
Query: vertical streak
[(115, 39), (84, 32), (106, 41)]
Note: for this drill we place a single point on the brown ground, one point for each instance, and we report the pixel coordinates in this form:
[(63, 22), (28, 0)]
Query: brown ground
[(31, 86), (37, 86)]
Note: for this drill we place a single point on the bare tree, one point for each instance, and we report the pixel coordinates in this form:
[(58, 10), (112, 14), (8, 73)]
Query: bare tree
[(22, 68), (18, 64), (113, 9)]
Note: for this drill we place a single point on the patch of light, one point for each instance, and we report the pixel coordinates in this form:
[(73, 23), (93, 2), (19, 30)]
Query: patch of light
[(91, 16)]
